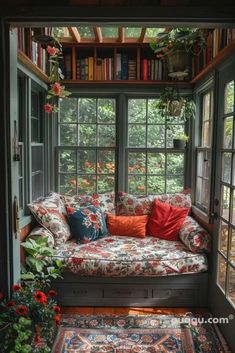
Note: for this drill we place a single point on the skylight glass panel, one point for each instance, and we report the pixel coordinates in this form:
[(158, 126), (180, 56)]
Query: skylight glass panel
[(133, 32), (109, 32), (153, 32), (86, 32)]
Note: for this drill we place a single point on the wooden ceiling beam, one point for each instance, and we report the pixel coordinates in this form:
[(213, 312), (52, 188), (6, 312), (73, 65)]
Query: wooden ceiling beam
[(142, 35), (98, 34), (75, 34), (121, 32)]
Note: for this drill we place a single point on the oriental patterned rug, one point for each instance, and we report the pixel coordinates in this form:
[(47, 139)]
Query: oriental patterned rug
[(137, 334)]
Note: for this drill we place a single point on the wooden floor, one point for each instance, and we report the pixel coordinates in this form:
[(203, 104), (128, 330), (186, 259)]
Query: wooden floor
[(130, 311)]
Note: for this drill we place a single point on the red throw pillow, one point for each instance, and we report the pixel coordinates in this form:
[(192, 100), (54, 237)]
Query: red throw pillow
[(166, 220), (134, 226)]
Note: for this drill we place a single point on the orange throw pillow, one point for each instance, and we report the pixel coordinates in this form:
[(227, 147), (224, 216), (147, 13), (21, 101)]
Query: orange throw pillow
[(133, 226), (166, 220)]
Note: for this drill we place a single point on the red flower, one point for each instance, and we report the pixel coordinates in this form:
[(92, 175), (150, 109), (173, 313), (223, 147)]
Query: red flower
[(51, 50), (52, 293), (56, 308), (22, 310), (16, 288), (37, 339), (76, 261), (93, 217), (48, 108), (1, 295), (56, 89), (10, 304), (57, 319), (40, 297)]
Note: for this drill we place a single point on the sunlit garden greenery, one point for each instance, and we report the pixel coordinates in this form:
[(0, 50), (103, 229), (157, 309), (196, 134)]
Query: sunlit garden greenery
[(88, 156)]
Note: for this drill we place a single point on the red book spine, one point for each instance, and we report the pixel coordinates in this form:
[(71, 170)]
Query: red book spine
[(145, 69)]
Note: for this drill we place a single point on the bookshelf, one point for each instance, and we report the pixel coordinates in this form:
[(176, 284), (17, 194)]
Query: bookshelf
[(133, 64)]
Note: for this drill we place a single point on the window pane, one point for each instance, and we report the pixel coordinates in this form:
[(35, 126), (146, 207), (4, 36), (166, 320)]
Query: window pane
[(233, 178), (137, 110), (223, 238), (172, 132), (229, 97), (137, 163), (232, 247), (199, 191), (87, 162), (37, 185), (225, 201), (205, 193), (156, 136), (86, 135), (106, 135), (206, 107), (233, 209), (156, 163), (175, 163), (133, 32), (137, 135), (221, 272), (37, 158), (231, 284), (106, 111), (68, 110), (67, 161), (86, 110), (35, 106), (110, 32), (68, 134), (86, 32), (174, 184), (153, 32), (154, 117), (67, 184), (156, 185), (35, 130), (226, 167), (206, 134), (106, 162), (228, 132), (137, 185), (105, 183), (86, 184)]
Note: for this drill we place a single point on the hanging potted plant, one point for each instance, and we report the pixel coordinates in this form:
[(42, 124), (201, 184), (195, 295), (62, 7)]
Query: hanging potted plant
[(177, 45), (172, 105), (180, 140)]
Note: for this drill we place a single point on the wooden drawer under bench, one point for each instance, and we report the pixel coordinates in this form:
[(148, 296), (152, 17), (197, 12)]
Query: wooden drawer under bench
[(168, 291)]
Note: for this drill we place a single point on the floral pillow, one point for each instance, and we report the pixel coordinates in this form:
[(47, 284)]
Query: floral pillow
[(43, 233), (87, 223), (105, 201), (50, 213), (136, 206), (196, 238)]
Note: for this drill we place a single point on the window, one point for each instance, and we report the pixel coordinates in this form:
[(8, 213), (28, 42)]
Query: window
[(31, 170), (226, 247), (203, 181), (88, 147), (153, 166), (87, 139)]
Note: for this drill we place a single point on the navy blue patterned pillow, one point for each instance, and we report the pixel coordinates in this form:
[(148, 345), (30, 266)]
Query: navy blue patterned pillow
[(87, 223)]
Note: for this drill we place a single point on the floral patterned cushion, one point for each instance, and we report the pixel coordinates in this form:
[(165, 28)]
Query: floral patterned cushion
[(87, 223), (194, 236), (44, 233), (50, 213), (134, 205), (105, 201)]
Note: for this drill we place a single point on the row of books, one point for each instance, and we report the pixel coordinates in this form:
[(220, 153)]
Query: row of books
[(153, 70), (217, 39), (32, 49)]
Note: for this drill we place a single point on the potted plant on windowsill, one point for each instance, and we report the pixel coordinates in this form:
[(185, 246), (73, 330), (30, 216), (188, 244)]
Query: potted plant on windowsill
[(177, 45), (180, 141)]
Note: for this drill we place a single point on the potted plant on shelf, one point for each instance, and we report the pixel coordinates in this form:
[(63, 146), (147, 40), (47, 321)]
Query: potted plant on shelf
[(180, 140), (177, 45), (172, 105)]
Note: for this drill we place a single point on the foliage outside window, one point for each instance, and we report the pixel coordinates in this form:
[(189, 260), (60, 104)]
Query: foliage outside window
[(87, 145), (153, 166), (204, 153), (226, 246)]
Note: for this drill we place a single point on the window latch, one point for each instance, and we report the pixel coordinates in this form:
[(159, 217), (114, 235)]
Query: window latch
[(214, 215)]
